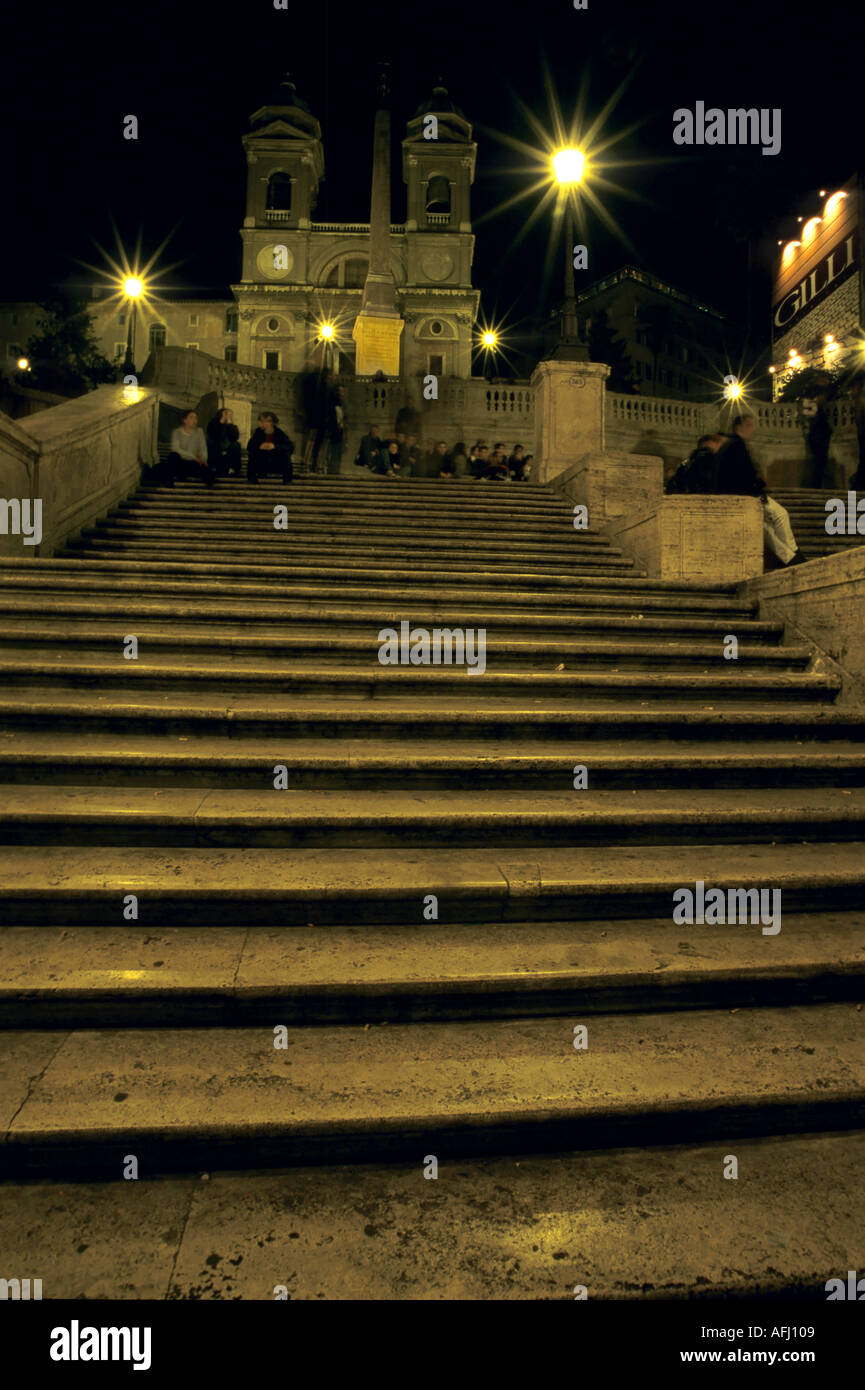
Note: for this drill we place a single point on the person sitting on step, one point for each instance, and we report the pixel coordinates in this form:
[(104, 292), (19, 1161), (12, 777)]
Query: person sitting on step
[(269, 450), (188, 457), (223, 443)]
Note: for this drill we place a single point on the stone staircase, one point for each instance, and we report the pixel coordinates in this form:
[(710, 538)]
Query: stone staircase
[(412, 790), (807, 508)]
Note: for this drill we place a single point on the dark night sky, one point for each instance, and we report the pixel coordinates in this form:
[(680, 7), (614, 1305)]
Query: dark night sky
[(193, 74)]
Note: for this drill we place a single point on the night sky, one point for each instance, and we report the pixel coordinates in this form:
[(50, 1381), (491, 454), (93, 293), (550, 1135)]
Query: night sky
[(193, 74)]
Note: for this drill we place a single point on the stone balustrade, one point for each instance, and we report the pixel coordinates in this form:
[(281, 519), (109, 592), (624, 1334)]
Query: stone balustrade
[(77, 459), (474, 408)]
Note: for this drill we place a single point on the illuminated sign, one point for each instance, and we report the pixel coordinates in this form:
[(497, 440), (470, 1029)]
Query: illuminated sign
[(841, 262)]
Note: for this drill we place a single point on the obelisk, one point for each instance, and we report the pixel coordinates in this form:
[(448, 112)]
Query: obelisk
[(378, 326)]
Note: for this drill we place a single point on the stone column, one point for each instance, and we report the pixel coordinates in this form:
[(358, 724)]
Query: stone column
[(378, 326), (569, 413)]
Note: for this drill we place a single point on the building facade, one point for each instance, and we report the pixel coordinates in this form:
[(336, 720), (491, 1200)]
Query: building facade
[(678, 345), (817, 298), (298, 275)]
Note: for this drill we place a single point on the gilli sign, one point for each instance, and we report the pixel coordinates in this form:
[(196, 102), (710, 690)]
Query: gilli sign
[(827, 275)]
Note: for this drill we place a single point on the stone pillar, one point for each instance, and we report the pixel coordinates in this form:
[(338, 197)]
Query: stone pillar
[(378, 326), (569, 413)]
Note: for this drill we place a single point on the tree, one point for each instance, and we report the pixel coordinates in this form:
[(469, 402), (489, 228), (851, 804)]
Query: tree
[(606, 346), (64, 354)]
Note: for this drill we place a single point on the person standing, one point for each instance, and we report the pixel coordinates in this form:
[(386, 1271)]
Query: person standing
[(223, 443), (738, 476), (818, 433), (188, 457), (269, 450)]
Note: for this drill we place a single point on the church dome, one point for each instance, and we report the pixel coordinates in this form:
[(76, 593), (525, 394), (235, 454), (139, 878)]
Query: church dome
[(438, 103)]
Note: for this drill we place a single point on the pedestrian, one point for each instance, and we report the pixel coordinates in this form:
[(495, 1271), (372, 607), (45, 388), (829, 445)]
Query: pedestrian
[(496, 468), (459, 461), (188, 457), (436, 461), (335, 427), (517, 463), (369, 447), (738, 476), (478, 459), (818, 433), (223, 443), (269, 450), (313, 402), (698, 472)]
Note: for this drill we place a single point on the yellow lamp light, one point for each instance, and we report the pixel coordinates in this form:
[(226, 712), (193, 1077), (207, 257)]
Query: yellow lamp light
[(489, 339), (809, 231), (133, 287), (23, 364), (833, 205), (569, 165), (789, 252), (326, 330)]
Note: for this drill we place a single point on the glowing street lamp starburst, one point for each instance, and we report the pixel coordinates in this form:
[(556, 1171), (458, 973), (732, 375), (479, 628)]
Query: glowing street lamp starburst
[(569, 166)]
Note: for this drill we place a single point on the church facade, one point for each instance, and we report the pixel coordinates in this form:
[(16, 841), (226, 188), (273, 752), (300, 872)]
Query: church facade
[(299, 275)]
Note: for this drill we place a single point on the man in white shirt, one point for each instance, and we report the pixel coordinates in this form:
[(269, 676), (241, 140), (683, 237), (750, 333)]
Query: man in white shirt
[(188, 457)]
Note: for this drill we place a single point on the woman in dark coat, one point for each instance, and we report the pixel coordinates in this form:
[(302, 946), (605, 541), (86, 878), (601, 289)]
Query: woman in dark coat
[(223, 443)]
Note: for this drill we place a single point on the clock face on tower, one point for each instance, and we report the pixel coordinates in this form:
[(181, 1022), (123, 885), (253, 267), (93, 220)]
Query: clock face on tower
[(275, 261)]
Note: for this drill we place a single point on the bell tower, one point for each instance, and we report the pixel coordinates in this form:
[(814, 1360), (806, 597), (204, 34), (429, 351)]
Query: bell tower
[(439, 166), (438, 162), (285, 162)]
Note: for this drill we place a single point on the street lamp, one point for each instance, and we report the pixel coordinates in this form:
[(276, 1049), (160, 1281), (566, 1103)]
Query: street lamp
[(133, 290), (569, 166)]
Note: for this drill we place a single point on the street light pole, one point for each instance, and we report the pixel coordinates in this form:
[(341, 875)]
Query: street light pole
[(129, 360), (568, 166)]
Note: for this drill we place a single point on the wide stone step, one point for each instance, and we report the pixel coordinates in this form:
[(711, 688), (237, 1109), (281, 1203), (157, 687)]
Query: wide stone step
[(421, 717), (619, 1222), (584, 594), (55, 756), (417, 818), (88, 977), (88, 885), (247, 619), (217, 510), (211, 1097), (331, 645), (298, 679), (360, 487), (517, 570)]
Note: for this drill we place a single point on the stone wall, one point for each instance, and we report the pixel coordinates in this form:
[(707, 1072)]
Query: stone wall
[(822, 603), (79, 459)]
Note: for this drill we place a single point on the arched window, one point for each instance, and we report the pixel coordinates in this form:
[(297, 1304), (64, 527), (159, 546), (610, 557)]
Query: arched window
[(349, 273), (279, 192), (438, 194), (157, 335)]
